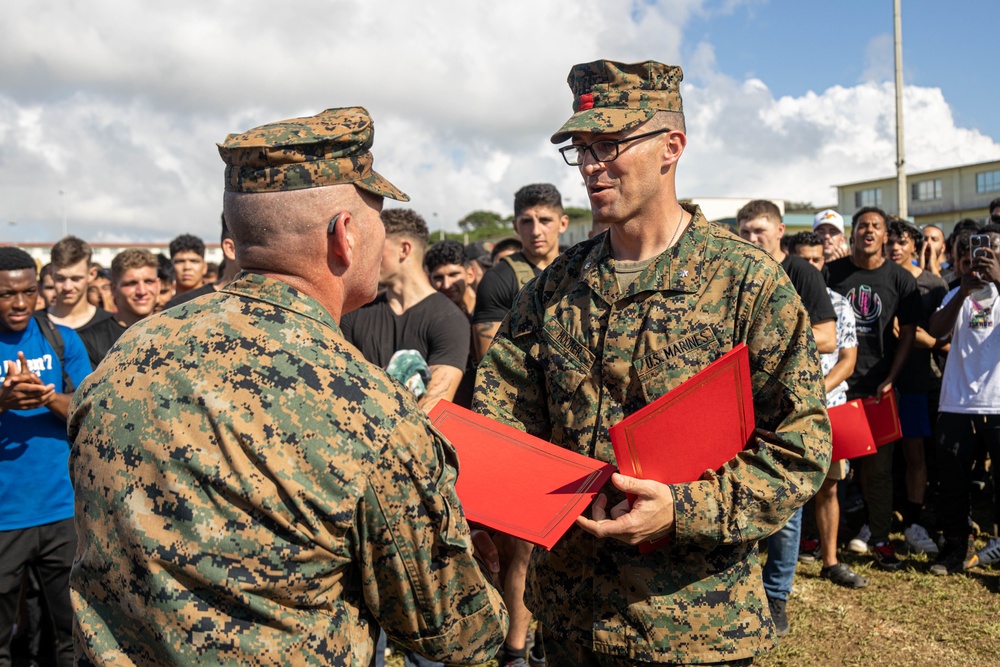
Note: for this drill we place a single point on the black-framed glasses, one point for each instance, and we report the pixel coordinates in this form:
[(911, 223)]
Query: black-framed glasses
[(605, 150)]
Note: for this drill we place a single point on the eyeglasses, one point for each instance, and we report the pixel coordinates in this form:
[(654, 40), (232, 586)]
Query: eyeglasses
[(605, 150)]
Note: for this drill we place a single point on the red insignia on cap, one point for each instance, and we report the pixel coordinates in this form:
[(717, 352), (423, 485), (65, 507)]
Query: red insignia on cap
[(586, 102)]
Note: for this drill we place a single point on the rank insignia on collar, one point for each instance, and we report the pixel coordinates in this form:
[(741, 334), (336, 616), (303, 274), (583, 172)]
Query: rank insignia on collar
[(683, 273)]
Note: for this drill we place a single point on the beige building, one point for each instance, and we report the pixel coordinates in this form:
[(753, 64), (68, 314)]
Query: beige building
[(941, 197)]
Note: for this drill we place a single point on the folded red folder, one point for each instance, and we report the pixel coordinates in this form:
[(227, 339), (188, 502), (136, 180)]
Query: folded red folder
[(883, 418), (697, 426), (852, 435), (514, 482)]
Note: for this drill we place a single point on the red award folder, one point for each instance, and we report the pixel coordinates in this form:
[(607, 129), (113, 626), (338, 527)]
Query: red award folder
[(514, 482), (697, 426), (883, 418), (852, 435)]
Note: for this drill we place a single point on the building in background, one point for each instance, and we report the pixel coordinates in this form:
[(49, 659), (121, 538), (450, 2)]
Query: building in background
[(939, 197)]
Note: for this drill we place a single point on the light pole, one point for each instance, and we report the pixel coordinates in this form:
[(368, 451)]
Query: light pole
[(65, 227)]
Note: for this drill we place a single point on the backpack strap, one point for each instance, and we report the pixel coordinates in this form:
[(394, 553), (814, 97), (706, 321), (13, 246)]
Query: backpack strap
[(522, 268), (55, 341)]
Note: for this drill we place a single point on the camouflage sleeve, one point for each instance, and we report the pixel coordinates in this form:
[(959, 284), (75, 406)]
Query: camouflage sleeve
[(757, 492), (419, 576)]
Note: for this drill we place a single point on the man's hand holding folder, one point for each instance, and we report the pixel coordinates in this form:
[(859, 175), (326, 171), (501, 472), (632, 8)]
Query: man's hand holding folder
[(650, 518)]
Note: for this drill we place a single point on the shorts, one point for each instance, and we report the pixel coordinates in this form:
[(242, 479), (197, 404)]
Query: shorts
[(838, 470), (913, 416)]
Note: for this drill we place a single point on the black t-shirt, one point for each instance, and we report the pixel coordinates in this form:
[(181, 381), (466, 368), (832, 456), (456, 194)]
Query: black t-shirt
[(99, 334), (808, 282), (178, 299), (496, 293), (434, 327), (916, 374), (877, 296)]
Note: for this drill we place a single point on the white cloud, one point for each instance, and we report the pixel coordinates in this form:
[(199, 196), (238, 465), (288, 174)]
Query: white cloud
[(120, 105)]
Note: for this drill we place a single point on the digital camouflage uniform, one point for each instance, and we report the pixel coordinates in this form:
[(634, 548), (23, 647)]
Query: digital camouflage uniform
[(250, 490), (575, 356)]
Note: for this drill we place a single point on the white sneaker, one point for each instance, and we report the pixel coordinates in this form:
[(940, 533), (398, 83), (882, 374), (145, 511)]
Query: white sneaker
[(918, 541), (859, 544)]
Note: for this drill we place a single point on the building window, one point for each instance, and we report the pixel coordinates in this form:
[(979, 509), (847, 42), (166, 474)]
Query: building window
[(871, 197), (988, 181), (925, 190)]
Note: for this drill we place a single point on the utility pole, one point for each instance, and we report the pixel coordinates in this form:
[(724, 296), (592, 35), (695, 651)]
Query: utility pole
[(65, 227), (901, 191)]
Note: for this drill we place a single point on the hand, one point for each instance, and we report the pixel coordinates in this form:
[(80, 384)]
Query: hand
[(651, 517), (882, 390), (987, 266), (485, 550), (22, 389), (843, 250), (970, 283)]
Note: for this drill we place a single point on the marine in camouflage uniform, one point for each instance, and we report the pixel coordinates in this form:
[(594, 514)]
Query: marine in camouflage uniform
[(250, 490), (578, 352)]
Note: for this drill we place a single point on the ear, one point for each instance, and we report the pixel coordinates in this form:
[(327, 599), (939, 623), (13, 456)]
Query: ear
[(563, 223), (340, 242), (405, 248), (92, 274), (673, 147), (229, 250)]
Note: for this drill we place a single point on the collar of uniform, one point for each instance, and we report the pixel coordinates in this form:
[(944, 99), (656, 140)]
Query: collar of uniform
[(677, 269), (282, 295)]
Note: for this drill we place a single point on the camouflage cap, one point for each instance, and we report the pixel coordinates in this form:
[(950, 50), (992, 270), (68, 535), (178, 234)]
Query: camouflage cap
[(610, 97), (329, 148)]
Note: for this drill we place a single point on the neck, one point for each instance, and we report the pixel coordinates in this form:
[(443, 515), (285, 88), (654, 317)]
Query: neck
[(469, 301), (127, 319), (869, 262), (406, 289), (779, 255), (645, 236), (541, 261), (329, 293), (73, 315)]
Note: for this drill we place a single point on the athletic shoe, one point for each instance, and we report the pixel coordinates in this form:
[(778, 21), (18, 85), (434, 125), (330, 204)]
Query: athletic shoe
[(536, 654), (885, 557), (842, 575), (918, 541), (954, 558), (988, 555), (505, 660), (778, 615), (808, 550), (859, 544)]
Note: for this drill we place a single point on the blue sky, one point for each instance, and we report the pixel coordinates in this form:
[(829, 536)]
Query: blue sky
[(120, 105), (796, 46)]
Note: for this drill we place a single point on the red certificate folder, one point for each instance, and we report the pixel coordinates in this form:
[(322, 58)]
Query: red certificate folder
[(697, 426), (883, 418), (514, 482), (852, 435)]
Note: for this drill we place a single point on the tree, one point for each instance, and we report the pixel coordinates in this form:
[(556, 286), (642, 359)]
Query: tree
[(480, 220)]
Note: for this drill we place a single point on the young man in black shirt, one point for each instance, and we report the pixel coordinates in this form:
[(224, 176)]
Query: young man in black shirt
[(452, 274), (410, 314), (879, 291)]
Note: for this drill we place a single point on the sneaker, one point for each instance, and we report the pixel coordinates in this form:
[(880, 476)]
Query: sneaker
[(859, 544), (536, 654), (954, 558), (778, 615), (885, 557), (808, 550), (842, 575), (988, 555), (504, 660), (918, 541)]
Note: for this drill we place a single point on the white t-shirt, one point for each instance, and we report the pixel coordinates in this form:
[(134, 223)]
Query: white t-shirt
[(971, 382)]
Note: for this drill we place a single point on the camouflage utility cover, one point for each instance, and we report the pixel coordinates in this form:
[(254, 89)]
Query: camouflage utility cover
[(251, 491), (330, 148), (575, 355), (611, 97)]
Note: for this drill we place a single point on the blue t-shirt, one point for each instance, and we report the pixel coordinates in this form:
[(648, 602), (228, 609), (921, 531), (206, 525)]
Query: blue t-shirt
[(34, 450)]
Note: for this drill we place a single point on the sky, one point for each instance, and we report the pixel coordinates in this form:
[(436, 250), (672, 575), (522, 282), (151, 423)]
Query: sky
[(110, 111)]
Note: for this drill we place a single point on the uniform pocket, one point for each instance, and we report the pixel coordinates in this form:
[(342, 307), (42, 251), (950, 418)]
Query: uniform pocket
[(676, 361)]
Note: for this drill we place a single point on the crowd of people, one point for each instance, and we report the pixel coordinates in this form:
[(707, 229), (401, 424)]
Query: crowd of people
[(233, 464)]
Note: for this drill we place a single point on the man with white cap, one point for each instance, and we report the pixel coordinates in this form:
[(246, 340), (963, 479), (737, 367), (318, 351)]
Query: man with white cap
[(830, 226)]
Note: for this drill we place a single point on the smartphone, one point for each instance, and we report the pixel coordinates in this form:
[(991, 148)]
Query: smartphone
[(978, 244)]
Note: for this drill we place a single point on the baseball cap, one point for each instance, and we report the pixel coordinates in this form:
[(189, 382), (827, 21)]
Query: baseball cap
[(330, 148), (480, 252), (829, 217), (611, 97)]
